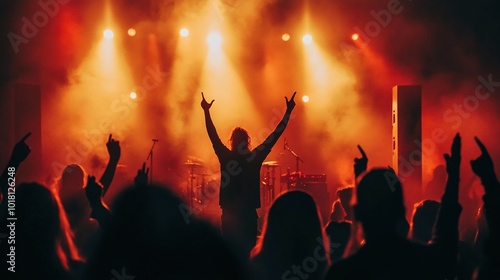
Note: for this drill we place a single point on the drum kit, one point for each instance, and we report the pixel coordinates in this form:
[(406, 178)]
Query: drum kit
[(203, 184), (202, 187)]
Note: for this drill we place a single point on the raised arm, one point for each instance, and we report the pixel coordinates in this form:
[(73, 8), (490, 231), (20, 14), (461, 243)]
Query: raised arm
[(100, 211), (360, 164), (453, 169), (212, 132), (141, 179), (446, 229), (484, 169), (275, 135), (114, 152), (19, 154)]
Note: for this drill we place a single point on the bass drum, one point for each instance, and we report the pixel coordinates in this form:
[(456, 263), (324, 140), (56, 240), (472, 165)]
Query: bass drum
[(208, 205), (211, 190)]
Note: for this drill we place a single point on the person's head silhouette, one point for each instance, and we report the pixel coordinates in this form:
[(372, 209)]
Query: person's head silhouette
[(239, 139), (424, 218), (72, 180), (292, 227), (379, 203), (293, 213), (345, 197), (153, 236), (43, 236)]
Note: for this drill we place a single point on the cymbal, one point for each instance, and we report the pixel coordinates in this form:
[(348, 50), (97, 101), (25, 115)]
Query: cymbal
[(193, 164), (292, 174), (194, 159), (270, 163)]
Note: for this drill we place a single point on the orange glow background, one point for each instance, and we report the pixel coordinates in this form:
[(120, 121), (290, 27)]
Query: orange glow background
[(86, 82)]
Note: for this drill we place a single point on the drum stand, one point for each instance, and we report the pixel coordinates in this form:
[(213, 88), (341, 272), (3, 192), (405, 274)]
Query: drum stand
[(269, 182)]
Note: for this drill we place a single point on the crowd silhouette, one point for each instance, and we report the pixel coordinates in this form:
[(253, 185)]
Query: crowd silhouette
[(66, 231)]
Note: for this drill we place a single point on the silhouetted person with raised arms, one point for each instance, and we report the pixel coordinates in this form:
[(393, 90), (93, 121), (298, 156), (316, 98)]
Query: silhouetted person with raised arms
[(74, 198), (422, 226), (386, 254), (338, 231), (293, 243), (100, 211), (240, 177), (43, 243), (338, 228), (484, 169)]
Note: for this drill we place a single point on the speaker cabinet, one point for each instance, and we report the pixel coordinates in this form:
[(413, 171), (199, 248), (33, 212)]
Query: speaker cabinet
[(406, 136)]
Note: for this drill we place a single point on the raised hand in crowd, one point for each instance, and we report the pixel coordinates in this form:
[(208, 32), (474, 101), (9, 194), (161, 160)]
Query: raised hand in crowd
[(113, 147), (360, 164), (446, 235), (114, 152), (94, 191), (290, 104), (142, 176), (484, 168), (387, 253), (19, 153), (204, 104), (280, 128), (453, 167)]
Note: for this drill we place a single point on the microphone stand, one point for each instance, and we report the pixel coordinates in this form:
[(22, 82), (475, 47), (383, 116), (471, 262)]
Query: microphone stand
[(150, 156), (297, 158)]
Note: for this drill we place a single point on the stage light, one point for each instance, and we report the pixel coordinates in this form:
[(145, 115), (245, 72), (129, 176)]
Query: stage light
[(214, 39), (285, 37), (133, 95), (307, 39), (108, 34), (305, 98), (184, 32), (355, 36), (131, 32)]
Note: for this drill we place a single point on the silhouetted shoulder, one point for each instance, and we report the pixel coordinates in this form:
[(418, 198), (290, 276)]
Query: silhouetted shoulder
[(392, 259)]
